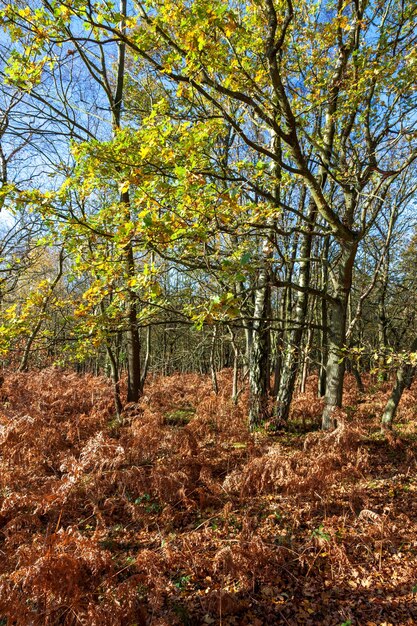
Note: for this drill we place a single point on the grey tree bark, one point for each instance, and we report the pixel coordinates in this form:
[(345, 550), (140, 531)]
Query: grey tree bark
[(293, 350), (322, 316), (404, 377), (335, 367), (259, 351)]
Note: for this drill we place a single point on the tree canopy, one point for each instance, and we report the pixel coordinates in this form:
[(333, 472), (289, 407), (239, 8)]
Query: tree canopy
[(234, 173)]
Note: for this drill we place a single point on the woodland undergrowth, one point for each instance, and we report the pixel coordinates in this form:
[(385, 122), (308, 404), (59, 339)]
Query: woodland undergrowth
[(176, 514)]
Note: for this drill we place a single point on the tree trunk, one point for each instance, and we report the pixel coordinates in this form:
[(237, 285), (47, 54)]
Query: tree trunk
[(403, 379), (382, 334), (212, 361), (133, 338), (323, 315), (293, 350), (306, 358), (235, 391), (114, 370), (259, 353), (235, 394), (145, 366), (278, 362), (358, 379), (335, 368)]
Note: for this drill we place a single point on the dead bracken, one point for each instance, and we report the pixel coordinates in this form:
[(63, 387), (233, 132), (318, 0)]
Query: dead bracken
[(160, 523)]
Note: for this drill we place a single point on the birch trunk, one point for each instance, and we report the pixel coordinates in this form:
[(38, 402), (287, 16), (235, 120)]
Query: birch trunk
[(259, 353)]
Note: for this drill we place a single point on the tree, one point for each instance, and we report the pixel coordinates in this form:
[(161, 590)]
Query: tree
[(271, 122), (364, 96)]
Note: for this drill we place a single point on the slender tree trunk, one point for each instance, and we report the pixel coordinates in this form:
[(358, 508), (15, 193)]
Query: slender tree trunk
[(278, 364), (293, 351), (145, 366), (306, 358), (164, 367), (259, 356), (133, 338), (235, 393), (358, 378), (114, 371), (321, 383), (279, 341), (403, 379), (382, 332), (212, 361), (335, 368), (323, 315)]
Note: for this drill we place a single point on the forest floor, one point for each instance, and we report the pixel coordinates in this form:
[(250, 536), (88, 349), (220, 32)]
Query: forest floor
[(178, 515)]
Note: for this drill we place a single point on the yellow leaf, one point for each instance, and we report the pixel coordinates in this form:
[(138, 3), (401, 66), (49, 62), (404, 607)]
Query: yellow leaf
[(124, 186)]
